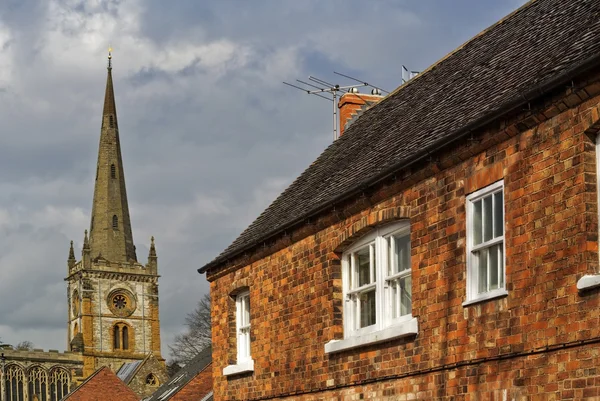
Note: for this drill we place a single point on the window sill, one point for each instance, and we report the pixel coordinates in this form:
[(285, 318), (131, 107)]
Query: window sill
[(588, 281), (408, 328), (486, 297), (243, 367)]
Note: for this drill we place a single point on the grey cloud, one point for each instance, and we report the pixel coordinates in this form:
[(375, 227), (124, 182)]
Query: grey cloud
[(206, 149)]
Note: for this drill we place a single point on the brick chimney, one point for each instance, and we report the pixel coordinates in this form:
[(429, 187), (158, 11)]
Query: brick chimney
[(351, 105)]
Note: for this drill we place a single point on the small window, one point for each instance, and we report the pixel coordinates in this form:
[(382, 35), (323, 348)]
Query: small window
[(151, 380), (115, 222), (113, 171), (120, 337), (485, 243), (243, 326), (111, 121)]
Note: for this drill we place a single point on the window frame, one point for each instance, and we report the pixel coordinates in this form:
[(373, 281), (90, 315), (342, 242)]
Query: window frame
[(589, 281), (244, 362), (242, 327), (473, 268), (386, 326), (121, 337)]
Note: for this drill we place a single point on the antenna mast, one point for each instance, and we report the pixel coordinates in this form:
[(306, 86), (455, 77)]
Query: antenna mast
[(324, 88)]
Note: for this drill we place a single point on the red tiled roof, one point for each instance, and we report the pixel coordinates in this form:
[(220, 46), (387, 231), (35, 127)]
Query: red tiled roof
[(103, 385)]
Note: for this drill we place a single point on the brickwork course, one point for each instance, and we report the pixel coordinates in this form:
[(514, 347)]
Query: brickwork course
[(539, 342)]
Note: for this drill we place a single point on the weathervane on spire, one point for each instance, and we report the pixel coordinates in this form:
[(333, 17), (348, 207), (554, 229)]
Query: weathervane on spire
[(110, 58)]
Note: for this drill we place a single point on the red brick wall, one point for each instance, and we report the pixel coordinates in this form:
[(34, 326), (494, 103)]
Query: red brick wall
[(350, 104), (533, 342)]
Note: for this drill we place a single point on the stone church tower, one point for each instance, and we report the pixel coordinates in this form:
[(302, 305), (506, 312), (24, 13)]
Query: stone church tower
[(113, 299)]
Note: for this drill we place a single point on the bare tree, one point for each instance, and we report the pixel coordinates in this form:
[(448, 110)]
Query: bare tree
[(24, 346), (197, 335)]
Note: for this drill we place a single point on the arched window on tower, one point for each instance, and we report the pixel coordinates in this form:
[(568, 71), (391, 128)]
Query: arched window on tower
[(111, 121), (113, 171), (115, 222), (121, 337)]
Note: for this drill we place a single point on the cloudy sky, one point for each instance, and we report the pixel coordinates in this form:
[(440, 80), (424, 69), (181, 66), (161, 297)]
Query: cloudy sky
[(210, 135)]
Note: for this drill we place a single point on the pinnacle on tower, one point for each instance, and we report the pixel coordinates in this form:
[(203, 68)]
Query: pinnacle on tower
[(152, 258), (152, 253), (110, 226), (71, 260)]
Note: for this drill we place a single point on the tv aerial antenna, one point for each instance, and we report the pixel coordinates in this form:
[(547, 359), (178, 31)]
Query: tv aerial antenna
[(328, 91)]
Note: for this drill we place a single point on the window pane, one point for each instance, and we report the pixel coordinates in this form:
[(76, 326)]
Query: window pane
[(482, 257), (364, 266), (477, 222), (498, 218), (493, 268), (373, 262), (350, 273), (246, 311), (242, 344), (406, 295), (501, 263), (402, 253), (391, 252), (367, 308), (395, 295), (487, 218)]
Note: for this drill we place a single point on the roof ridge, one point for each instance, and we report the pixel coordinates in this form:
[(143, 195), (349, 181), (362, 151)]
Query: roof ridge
[(468, 88)]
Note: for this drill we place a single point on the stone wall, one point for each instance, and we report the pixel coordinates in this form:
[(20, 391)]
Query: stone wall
[(543, 338), (97, 319)]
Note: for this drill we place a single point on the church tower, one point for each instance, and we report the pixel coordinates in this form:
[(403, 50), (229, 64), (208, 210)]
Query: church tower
[(113, 299)]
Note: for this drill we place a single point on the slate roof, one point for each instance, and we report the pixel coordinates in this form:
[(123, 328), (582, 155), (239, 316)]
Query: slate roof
[(184, 376), (127, 371), (536, 48)]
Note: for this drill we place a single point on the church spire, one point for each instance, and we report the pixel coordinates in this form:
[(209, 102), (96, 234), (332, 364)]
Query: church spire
[(110, 227)]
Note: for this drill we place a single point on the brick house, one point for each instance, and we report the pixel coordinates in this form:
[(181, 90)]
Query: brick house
[(445, 247)]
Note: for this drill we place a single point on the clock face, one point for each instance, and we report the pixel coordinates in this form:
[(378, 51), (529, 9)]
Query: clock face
[(75, 303), (121, 303)]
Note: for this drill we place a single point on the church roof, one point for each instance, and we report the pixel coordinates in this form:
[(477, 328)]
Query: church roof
[(191, 382), (102, 385), (127, 371), (110, 227), (539, 47)]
